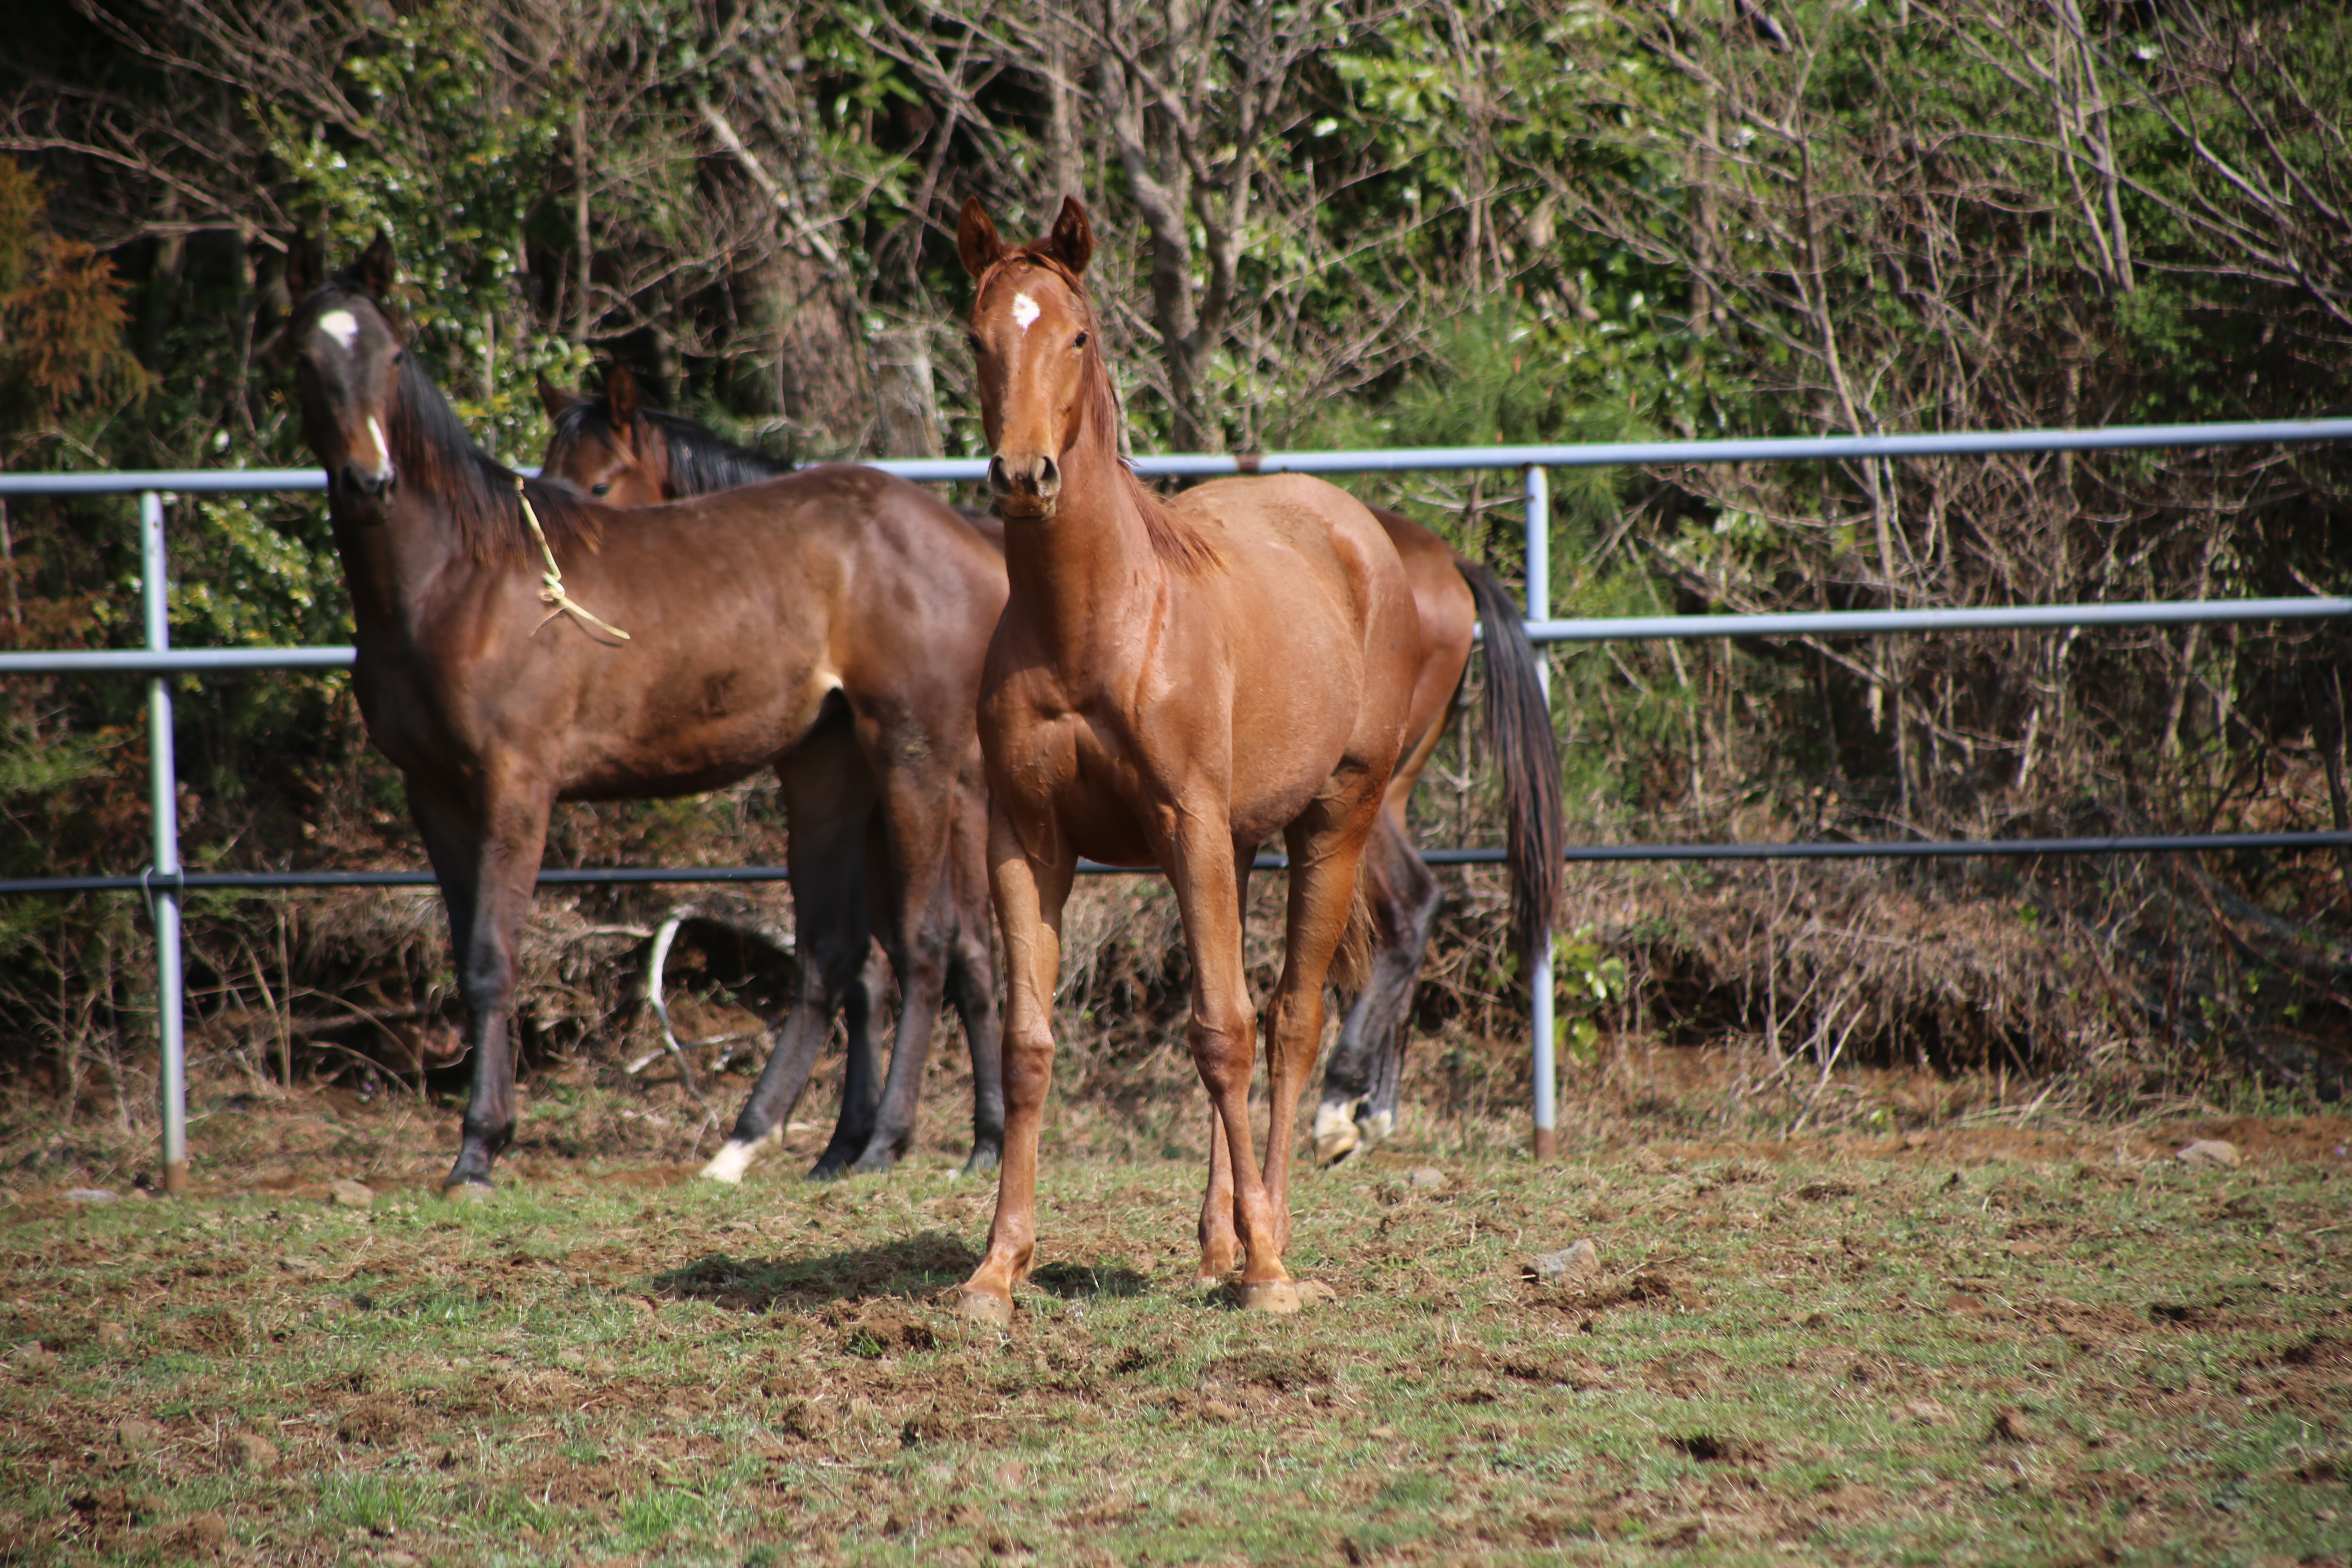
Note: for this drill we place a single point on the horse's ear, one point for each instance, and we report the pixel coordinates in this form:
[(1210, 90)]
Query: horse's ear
[(556, 399), (976, 240), (304, 269), (377, 266), (1072, 241), (621, 400)]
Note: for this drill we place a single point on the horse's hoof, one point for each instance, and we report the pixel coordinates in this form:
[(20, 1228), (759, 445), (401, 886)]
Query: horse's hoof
[(734, 1158), (984, 1306), (1336, 1133), (468, 1192), (982, 1160), (828, 1169), (1278, 1296), (1376, 1127)]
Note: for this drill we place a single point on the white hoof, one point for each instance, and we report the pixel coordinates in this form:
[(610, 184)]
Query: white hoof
[(1376, 1128), (1336, 1133), (734, 1158)]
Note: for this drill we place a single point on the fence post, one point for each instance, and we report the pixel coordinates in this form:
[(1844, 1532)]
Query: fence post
[(1539, 985), (172, 1087)]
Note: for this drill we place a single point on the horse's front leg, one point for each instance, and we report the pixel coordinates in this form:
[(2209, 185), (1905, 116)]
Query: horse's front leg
[(1221, 1243), (487, 859), (1031, 881)]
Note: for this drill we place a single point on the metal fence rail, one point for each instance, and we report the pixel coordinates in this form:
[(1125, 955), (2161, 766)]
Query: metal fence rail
[(165, 883)]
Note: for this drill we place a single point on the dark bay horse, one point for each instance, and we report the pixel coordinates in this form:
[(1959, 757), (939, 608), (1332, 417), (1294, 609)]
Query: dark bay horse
[(768, 626), (614, 446), (1173, 684), (626, 454)]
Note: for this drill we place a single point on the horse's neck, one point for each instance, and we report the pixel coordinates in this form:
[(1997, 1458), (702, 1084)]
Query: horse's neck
[(1088, 574), (394, 567)]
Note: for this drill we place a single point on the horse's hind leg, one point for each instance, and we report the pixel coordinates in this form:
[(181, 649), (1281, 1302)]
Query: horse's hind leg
[(827, 798), (486, 860), (917, 925), (1359, 1084), (1326, 847), (972, 976)]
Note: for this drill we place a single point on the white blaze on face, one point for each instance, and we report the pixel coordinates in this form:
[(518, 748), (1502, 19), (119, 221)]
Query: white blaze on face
[(1025, 311), (341, 326), (383, 450)]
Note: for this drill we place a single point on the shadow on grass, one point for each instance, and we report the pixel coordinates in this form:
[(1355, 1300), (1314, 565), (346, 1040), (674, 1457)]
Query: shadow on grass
[(916, 1266)]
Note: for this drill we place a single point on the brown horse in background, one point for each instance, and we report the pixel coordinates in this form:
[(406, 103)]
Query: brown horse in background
[(628, 455), (770, 627), (1173, 684), (614, 446)]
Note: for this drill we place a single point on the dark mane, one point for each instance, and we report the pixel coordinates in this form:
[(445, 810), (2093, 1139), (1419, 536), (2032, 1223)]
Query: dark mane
[(1174, 540), (433, 451), (701, 460)]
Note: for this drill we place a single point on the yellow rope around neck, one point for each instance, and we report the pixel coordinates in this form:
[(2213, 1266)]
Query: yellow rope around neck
[(551, 590)]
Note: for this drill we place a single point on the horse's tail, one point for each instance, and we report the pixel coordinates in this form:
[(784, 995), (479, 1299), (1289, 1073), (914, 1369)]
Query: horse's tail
[(1518, 733)]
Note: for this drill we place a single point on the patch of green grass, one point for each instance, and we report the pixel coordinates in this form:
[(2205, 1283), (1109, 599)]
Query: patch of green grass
[(1974, 1351)]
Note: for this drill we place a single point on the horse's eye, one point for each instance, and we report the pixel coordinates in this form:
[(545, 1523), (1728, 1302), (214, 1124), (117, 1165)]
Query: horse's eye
[(599, 489), (973, 338), (1081, 341)]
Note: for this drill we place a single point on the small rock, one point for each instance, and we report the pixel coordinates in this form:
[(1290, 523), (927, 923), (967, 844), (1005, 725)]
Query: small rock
[(1427, 1179), (351, 1195), (1926, 1412), (251, 1451), (1578, 1261), (138, 1433), (113, 1334), (2209, 1153), (90, 1196)]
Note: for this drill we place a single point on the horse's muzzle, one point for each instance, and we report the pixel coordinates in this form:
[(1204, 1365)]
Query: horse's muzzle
[(1024, 486), (361, 493)]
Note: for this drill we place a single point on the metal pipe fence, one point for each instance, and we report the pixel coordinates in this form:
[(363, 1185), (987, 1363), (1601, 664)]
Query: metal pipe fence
[(165, 882)]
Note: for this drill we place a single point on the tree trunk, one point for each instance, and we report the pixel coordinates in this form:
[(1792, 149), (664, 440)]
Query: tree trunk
[(909, 407)]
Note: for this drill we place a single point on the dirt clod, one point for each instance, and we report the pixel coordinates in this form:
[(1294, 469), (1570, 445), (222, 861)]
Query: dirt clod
[(2209, 1154), (1926, 1412), (139, 1435), (1426, 1179), (111, 1333), (251, 1451), (351, 1195), (1578, 1261), (201, 1535), (2015, 1426), (804, 1421)]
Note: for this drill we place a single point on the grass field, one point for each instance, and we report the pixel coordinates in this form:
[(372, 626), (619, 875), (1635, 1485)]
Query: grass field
[(1948, 1346)]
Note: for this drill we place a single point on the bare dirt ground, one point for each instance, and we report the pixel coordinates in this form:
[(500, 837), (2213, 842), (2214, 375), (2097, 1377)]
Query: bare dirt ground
[(1959, 1342)]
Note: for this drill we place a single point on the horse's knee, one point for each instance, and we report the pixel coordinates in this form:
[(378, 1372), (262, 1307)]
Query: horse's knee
[(1222, 1045)]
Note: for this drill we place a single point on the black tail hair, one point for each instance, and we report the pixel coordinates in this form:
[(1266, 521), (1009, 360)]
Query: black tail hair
[(1518, 733)]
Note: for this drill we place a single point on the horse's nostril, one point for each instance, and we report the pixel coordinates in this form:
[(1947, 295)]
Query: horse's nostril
[(997, 481), (1049, 477)]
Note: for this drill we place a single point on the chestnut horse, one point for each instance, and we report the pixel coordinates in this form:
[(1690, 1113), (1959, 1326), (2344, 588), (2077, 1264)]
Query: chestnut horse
[(796, 625), (614, 446), (1172, 683), (626, 455)]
